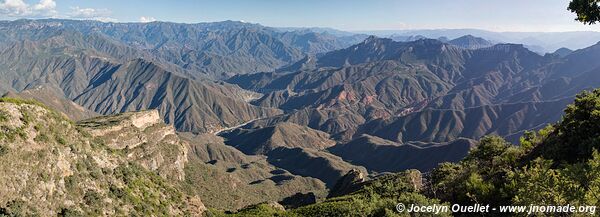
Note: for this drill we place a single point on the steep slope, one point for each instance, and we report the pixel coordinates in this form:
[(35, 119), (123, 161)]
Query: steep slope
[(227, 179), (144, 138), (423, 91), (378, 49), (563, 52), (265, 139), (53, 99), (579, 61), (314, 42), (340, 123), (380, 65), (386, 84), (312, 163), (188, 104), (78, 59), (559, 152), (214, 50), (378, 78), (381, 155), (403, 75), (50, 166), (495, 75), (75, 73), (297, 149), (434, 125)]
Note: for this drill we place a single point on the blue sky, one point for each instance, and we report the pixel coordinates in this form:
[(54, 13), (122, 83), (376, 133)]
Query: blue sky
[(352, 15)]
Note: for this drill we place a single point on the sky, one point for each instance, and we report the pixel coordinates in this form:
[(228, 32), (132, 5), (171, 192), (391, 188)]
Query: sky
[(349, 15)]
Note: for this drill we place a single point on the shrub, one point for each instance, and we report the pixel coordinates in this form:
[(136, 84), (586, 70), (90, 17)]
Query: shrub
[(3, 150), (3, 116)]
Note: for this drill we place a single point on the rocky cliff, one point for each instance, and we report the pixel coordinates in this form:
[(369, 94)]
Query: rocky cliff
[(51, 166), (144, 138)]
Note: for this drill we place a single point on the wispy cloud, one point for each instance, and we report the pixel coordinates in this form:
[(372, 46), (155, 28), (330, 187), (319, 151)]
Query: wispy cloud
[(45, 5), (21, 9), (147, 19), (47, 9), (91, 14)]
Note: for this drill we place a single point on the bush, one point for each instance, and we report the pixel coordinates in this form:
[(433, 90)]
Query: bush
[(66, 212), (3, 116), (3, 150)]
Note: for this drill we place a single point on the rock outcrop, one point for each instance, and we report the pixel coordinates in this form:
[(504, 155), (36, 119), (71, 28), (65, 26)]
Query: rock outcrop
[(348, 183), (145, 139), (51, 167)]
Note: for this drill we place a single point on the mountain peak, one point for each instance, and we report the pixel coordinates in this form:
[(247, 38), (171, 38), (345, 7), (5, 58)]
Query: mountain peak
[(372, 39), (471, 42), (563, 52)]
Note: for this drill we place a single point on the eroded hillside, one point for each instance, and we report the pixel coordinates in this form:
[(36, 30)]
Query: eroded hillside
[(51, 166)]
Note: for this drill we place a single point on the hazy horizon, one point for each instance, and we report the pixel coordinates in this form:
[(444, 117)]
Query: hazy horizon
[(351, 16)]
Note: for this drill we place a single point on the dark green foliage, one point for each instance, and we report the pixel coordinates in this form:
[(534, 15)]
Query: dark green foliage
[(374, 198), (3, 116), (3, 150), (65, 212), (541, 183), (16, 208), (258, 210), (60, 140), (480, 176), (587, 11), (559, 165), (41, 138), (91, 198), (577, 135)]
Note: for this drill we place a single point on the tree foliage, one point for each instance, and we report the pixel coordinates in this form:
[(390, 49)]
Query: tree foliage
[(559, 165), (587, 11), (577, 135)]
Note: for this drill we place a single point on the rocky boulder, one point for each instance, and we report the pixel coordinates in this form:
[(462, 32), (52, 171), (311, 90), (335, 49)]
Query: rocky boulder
[(348, 183)]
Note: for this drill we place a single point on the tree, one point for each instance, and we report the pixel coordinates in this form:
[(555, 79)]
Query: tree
[(587, 11), (577, 135)]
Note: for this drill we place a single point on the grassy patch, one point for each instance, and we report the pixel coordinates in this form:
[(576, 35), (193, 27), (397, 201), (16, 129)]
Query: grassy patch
[(10, 135), (3, 150), (147, 192), (42, 137), (3, 116), (19, 101)]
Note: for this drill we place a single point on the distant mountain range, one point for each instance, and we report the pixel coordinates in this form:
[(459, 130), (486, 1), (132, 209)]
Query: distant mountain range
[(540, 42), (116, 67), (424, 91), (277, 111)]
